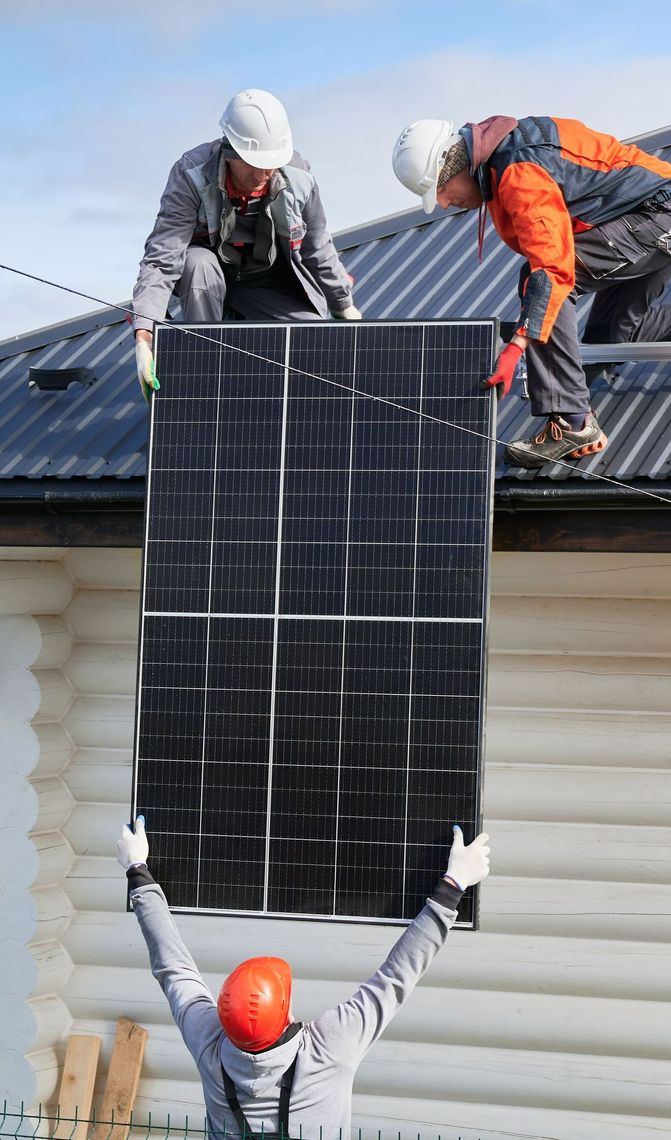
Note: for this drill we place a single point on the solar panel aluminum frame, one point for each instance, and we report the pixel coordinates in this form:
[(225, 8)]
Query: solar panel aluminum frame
[(201, 337)]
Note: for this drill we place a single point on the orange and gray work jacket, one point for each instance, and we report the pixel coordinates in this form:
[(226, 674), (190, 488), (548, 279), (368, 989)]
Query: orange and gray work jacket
[(543, 181)]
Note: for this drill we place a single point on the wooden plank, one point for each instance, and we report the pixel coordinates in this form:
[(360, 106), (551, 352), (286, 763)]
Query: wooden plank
[(578, 794), (632, 627), (583, 576), (590, 682), (76, 1091), (613, 738), (122, 1080)]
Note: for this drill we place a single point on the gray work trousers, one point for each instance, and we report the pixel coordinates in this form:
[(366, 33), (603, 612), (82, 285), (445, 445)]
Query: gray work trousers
[(205, 295), (621, 263)]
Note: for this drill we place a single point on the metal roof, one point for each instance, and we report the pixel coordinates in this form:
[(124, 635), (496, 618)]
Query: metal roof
[(95, 431), (407, 265)]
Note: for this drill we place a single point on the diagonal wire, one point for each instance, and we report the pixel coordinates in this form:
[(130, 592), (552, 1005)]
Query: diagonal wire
[(188, 331)]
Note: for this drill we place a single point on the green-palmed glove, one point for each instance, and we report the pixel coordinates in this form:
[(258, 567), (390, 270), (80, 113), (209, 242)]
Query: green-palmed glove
[(146, 372)]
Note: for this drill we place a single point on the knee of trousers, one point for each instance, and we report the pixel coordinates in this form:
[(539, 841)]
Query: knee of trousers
[(202, 270)]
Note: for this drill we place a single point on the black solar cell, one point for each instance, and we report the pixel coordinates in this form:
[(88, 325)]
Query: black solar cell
[(311, 679)]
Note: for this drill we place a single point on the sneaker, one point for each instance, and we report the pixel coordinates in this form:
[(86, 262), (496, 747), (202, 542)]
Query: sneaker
[(556, 441)]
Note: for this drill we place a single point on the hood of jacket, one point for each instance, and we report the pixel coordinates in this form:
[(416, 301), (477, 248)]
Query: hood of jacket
[(257, 1073), (483, 138)]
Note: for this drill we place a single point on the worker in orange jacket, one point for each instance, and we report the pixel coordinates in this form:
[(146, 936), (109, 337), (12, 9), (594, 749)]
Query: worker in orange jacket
[(590, 215)]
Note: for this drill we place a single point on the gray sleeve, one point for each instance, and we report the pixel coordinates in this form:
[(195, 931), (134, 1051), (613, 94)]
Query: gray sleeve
[(191, 1003), (348, 1031), (165, 248), (320, 257)]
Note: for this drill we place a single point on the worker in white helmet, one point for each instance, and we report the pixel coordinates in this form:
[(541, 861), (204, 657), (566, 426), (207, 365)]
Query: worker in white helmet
[(240, 233), (265, 1074), (589, 215)]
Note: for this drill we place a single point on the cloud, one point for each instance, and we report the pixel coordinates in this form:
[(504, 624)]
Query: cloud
[(349, 134), (160, 13)]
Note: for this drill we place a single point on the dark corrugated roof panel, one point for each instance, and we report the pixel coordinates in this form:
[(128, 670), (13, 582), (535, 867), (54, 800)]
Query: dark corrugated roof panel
[(94, 431), (408, 265)]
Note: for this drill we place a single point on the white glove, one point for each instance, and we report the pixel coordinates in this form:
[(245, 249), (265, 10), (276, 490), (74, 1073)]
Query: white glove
[(468, 865), (351, 313), (132, 846), (146, 372)]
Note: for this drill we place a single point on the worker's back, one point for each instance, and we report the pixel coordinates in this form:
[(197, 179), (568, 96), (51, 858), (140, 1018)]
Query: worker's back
[(328, 1050)]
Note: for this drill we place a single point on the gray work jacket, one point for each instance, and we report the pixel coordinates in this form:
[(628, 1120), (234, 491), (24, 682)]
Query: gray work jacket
[(193, 207), (329, 1049)]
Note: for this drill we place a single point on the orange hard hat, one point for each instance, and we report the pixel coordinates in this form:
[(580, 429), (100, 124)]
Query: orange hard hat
[(254, 1003)]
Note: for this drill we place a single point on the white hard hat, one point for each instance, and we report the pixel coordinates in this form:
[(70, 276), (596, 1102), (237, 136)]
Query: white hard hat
[(419, 156), (256, 125)]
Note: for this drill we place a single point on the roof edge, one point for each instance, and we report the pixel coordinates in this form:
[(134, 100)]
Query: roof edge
[(54, 491), (664, 138), (640, 494), (509, 495), (61, 330)]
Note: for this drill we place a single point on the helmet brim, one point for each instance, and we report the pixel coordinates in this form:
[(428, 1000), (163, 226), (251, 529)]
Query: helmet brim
[(429, 200), (265, 159)]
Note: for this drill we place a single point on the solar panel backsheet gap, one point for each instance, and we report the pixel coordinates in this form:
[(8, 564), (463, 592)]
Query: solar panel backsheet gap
[(311, 692)]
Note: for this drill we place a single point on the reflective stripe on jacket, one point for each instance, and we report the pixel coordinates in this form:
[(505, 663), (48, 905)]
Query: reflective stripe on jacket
[(550, 178), (193, 207)]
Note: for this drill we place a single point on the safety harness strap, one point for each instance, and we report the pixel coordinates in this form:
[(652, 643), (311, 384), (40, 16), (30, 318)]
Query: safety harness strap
[(285, 1097)]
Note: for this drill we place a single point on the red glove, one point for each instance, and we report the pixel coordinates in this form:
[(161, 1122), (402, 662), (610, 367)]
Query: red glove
[(505, 370)]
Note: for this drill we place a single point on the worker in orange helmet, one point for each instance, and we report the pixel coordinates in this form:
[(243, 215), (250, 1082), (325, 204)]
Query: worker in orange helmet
[(254, 1003), (263, 1072)]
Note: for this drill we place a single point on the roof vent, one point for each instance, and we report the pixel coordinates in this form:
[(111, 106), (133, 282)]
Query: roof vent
[(59, 379)]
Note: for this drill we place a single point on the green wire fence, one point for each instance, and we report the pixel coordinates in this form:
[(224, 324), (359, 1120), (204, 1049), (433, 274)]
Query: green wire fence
[(38, 1124)]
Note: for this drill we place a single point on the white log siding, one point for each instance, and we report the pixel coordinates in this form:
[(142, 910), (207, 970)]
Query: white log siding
[(549, 1022)]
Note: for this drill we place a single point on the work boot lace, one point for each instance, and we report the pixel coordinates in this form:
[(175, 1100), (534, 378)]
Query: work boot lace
[(555, 431)]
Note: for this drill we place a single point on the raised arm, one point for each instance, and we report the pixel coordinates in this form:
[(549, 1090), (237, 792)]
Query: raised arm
[(349, 1030), (191, 1003)]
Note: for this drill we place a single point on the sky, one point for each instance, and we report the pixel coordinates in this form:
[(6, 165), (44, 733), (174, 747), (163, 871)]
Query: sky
[(99, 99)]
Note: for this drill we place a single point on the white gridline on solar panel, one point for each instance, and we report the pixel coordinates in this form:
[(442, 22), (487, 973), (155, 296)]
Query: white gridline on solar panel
[(349, 743), (423, 770), (191, 346), (318, 692), (237, 615), (307, 916), (339, 391), (287, 563), (330, 471), (458, 498), (356, 843), (348, 396)]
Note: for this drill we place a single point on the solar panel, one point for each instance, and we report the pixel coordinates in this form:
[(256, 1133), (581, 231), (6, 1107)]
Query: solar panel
[(311, 693)]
